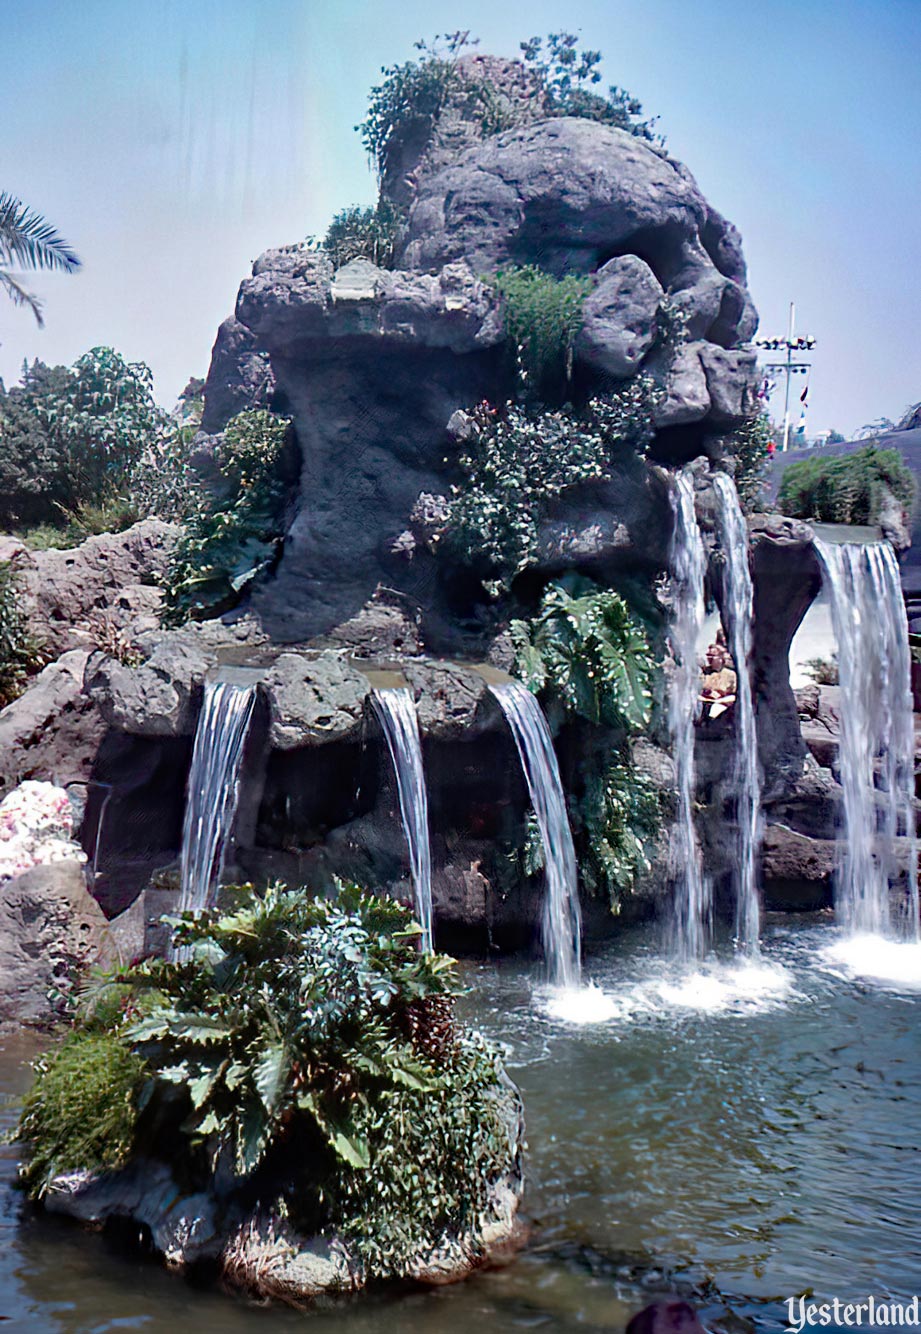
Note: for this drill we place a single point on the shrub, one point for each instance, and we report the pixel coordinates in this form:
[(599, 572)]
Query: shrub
[(413, 95), (824, 671), (80, 1113), (70, 437), (519, 459), (542, 316), (566, 76), (619, 814), (20, 652), (363, 233), (586, 648), (750, 443), (848, 489), (232, 533), (312, 1051)]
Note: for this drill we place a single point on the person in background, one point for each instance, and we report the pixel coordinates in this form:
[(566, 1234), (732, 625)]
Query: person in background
[(718, 688)]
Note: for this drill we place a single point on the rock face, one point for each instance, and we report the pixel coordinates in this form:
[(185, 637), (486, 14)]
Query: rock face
[(53, 731), (105, 585), (51, 931), (373, 363)]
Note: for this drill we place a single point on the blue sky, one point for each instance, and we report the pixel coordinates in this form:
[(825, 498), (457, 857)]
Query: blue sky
[(171, 141)]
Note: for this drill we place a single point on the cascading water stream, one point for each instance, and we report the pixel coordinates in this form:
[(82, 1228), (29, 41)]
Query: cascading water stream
[(877, 733), (746, 778), (213, 791), (396, 711), (688, 567), (562, 918)]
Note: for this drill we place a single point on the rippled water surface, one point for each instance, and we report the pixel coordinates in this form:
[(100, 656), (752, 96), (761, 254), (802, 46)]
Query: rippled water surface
[(747, 1134)]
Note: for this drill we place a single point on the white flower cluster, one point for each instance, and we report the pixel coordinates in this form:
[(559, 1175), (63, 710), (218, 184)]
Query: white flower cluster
[(36, 827)]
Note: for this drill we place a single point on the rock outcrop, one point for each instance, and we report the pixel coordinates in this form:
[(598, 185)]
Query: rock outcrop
[(51, 931)]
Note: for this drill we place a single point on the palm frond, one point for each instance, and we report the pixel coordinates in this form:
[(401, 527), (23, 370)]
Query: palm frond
[(20, 297), (27, 239)]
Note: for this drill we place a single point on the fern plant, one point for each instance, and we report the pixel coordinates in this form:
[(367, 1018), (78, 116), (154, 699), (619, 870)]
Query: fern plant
[(542, 316), (586, 648)]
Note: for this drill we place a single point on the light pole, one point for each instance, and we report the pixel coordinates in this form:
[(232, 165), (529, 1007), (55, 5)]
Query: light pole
[(789, 367)]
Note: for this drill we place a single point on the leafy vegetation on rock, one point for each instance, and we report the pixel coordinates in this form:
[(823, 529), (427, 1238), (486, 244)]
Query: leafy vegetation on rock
[(519, 459), (310, 1052), (619, 814), (586, 649), (542, 316), (20, 652), (82, 1109), (850, 488), (363, 233), (750, 444), (559, 77), (71, 436), (233, 531)]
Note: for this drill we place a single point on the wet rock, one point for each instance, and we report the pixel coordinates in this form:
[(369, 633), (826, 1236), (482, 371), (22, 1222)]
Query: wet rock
[(797, 869), (161, 697), (448, 698), (51, 932), (313, 699), (674, 1317)]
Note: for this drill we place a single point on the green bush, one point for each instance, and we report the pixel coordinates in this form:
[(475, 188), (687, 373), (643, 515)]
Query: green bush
[(20, 652), (233, 532), (413, 95), (618, 816), (847, 489), (542, 316), (750, 444), (587, 650), (363, 233), (82, 1109), (519, 459), (312, 1051), (70, 437)]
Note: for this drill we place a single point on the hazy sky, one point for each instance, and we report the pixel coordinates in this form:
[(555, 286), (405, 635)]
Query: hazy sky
[(171, 141)]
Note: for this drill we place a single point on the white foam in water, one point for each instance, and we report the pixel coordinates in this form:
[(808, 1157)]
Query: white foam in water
[(877, 959), (740, 987), (582, 1005)]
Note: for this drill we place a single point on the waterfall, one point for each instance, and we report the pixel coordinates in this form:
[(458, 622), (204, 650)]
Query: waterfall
[(213, 791), (562, 919), (688, 567), (746, 778), (877, 731), (396, 711)]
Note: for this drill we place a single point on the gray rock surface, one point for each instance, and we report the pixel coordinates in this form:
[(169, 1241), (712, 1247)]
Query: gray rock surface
[(53, 731), (239, 378), (448, 698), (161, 697), (104, 585), (51, 931), (619, 317), (797, 869), (313, 700)]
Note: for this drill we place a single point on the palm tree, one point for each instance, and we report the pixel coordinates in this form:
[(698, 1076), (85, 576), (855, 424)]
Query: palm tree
[(27, 241)]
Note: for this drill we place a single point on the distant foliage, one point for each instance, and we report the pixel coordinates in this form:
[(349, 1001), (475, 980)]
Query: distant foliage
[(363, 233), (849, 488), (585, 648), (619, 815), (824, 671), (312, 1051), (542, 316), (519, 459), (563, 77), (69, 437), (20, 653), (233, 533)]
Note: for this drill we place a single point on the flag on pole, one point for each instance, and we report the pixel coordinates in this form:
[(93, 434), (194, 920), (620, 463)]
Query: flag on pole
[(804, 396)]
